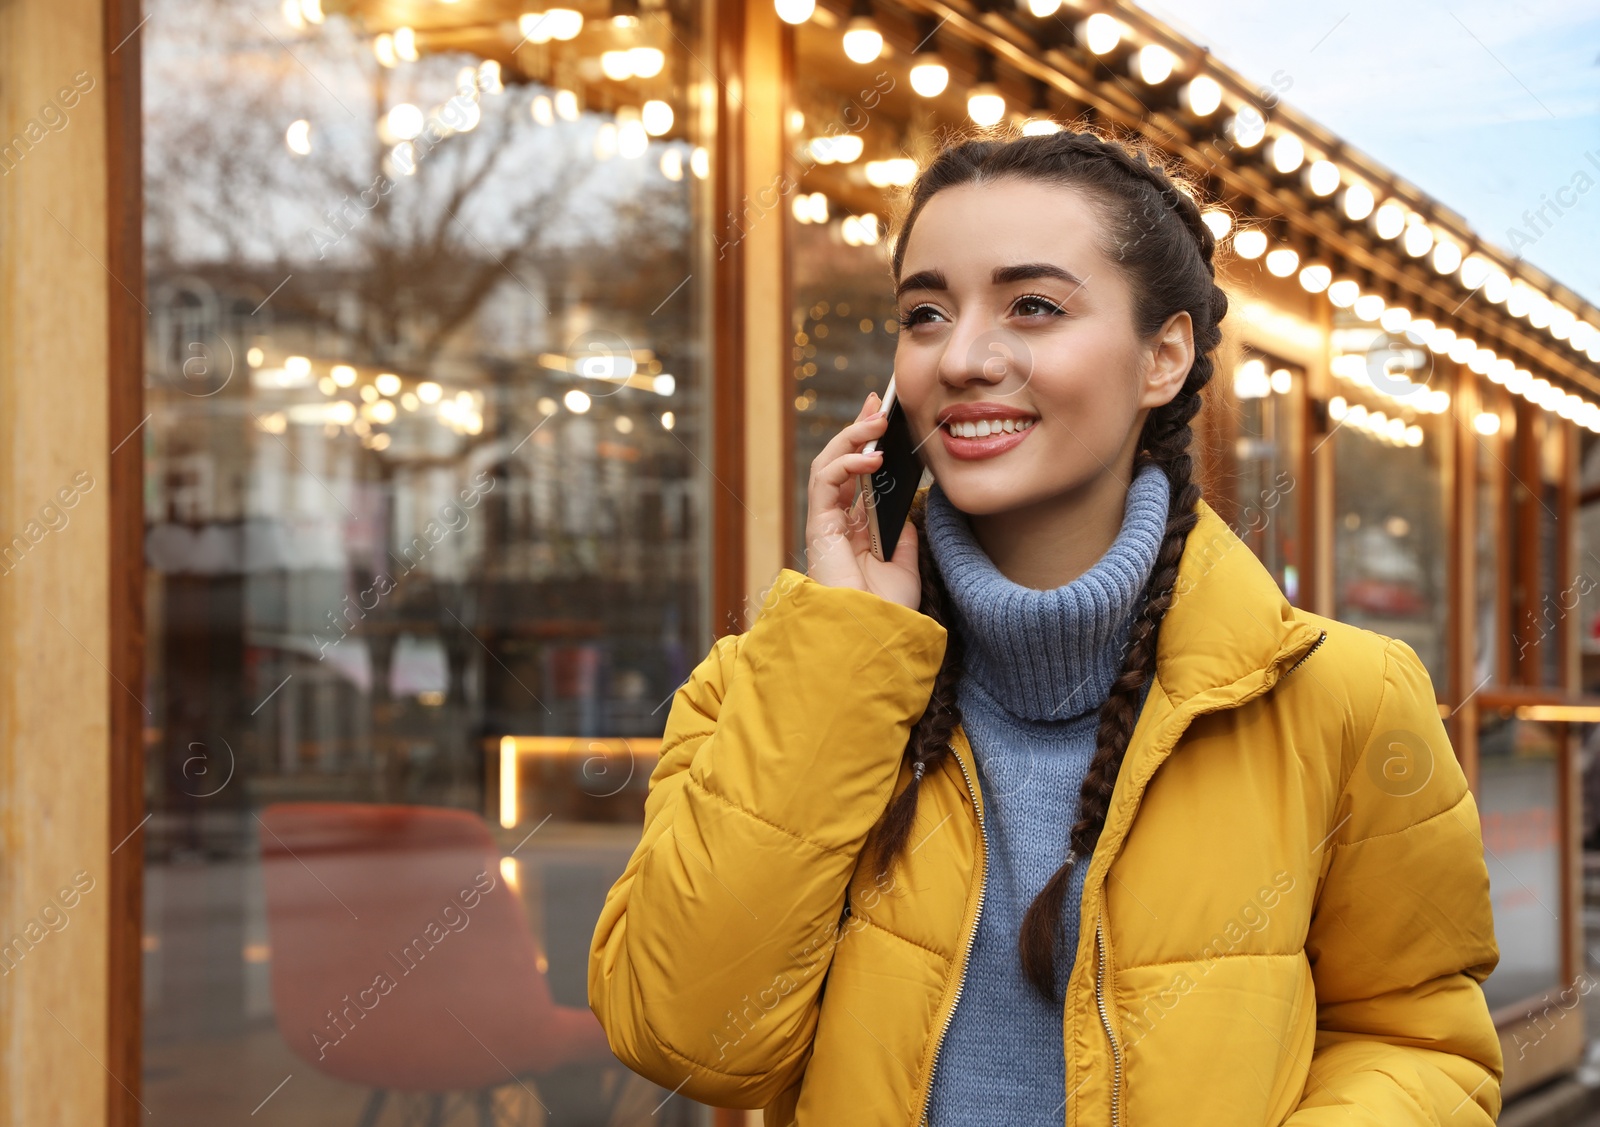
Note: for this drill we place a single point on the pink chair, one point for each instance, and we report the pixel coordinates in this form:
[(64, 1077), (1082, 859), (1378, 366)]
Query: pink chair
[(401, 961)]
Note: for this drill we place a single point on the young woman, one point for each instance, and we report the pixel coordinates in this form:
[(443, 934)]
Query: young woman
[(1065, 816)]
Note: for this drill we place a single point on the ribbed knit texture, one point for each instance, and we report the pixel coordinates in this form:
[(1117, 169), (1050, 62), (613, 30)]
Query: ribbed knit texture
[(1038, 666)]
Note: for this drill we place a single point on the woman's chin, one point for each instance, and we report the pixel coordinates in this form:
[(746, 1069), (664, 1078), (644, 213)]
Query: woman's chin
[(978, 492)]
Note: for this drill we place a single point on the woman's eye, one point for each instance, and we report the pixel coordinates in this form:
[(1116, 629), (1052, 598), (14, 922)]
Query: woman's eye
[(1042, 305), (914, 317)]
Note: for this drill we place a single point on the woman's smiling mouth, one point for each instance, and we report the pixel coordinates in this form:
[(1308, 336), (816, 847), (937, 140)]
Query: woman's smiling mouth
[(973, 430)]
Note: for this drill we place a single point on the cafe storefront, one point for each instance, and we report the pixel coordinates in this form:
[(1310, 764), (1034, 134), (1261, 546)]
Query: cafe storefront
[(467, 361)]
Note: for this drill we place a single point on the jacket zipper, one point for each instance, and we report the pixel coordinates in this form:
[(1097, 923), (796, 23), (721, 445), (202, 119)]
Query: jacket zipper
[(1100, 943), (1308, 653), (1105, 1019), (983, 882)]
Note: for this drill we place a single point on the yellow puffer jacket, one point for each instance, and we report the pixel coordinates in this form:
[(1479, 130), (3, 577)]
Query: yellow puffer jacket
[(1286, 920)]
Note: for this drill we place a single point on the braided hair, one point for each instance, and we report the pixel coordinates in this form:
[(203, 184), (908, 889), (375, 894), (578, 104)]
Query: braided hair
[(1151, 227)]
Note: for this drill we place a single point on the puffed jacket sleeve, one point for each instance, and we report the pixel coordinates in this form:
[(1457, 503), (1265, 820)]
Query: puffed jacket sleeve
[(1402, 936), (780, 753)]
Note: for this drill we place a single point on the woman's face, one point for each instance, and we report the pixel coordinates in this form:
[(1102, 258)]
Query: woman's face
[(1016, 324)]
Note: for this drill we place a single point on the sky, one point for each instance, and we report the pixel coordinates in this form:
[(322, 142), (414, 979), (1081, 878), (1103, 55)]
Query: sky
[(1487, 107)]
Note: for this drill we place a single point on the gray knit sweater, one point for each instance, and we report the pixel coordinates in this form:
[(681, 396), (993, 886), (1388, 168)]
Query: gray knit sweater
[(1038, 665)]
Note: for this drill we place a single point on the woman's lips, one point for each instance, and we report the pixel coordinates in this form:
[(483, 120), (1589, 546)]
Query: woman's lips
[(973, 449)]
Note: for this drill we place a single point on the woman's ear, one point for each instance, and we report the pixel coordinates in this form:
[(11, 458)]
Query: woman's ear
[(1170, 361)]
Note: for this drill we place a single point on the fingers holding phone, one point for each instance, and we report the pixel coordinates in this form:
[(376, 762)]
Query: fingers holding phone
[(839, 548)]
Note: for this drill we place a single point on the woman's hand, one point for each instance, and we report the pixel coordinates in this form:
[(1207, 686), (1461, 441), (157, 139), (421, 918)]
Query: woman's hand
[(838, 545)]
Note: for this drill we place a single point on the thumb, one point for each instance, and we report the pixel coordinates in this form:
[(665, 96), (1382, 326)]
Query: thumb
[(907, 544)]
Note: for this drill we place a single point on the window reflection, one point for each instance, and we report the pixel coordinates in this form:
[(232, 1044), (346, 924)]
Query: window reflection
[(1267, 392), (1489, 446), (426, 544), (1587, 567), (1520, 815), (845, 149), (1389, 502), (842, 346)]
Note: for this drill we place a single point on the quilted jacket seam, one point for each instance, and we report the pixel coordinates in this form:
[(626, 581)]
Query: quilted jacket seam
[(909, 942), (670, 1050), (753, 816), (1451, 809), (1213, 959)]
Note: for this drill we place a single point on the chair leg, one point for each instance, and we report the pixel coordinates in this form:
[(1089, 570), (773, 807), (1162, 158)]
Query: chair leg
[(485, 1100), (436, 1112), (374, 1108)]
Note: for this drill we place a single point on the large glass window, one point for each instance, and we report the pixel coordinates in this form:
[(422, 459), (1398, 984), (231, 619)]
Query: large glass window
[(1538, 627), (844, 150), (1266, 392), (427, 542), (1489, 445), (1586, 567), (1519, 806), (1390, 444)]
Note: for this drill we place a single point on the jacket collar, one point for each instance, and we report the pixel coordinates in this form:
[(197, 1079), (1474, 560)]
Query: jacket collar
[(1228, 619)]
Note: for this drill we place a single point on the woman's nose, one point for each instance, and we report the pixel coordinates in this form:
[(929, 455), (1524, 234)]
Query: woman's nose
[(987, 354)]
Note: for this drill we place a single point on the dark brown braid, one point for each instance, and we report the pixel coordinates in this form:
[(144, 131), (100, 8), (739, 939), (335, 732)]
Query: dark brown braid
[(1154, 232)]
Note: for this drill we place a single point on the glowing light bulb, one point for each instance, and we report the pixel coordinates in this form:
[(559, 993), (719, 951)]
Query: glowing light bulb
[(1418, 239), (985, 105), (298, 137), (1369, 306), (1343, 293), (1322, 177), (1315, 278), (1218, 220), (1389, 220), (795, 11), (1287, 152), (657, 117), (863, 42), (1247, 127), (1201, 95), (1100, 33), (1250, 243), (1446, 256), (929, 78), (1282, 262), (1357, 202), (1154, 64)]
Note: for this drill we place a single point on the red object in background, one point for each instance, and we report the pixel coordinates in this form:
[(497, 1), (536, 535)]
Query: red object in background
[(401, 960), (1382, 596), (574, 671)]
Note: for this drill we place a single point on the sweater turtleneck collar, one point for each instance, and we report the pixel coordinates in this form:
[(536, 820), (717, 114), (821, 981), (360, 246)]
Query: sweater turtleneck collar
[(1049, 655)]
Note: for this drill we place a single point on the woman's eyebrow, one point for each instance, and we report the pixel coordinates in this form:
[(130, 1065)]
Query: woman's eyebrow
[(1002, 275)]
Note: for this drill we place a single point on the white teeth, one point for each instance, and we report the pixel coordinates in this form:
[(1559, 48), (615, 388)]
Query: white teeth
[(983, 428)]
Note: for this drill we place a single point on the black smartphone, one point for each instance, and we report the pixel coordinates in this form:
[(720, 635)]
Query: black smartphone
[(890, 489)]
